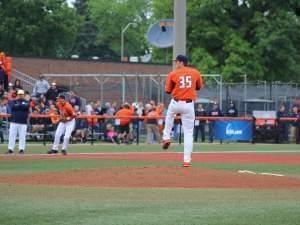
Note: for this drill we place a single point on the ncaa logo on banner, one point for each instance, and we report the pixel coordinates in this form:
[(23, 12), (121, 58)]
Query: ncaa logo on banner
[(231, 131)]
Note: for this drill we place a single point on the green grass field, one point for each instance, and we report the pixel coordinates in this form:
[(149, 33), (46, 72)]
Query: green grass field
[(76, 205)]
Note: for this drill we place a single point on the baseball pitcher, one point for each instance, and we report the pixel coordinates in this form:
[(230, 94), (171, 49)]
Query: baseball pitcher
[(182, 83)]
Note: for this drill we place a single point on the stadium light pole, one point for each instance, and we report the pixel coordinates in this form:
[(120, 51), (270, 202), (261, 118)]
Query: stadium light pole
[(122, 37)]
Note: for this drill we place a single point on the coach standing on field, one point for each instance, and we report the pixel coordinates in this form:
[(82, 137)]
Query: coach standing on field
[(18, 122), (182, 83)]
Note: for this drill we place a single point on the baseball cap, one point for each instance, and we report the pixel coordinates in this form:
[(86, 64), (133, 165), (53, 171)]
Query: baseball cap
[(182, 58), (20, 92)]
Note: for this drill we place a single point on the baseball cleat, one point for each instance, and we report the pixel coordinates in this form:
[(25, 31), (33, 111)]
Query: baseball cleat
[(21, 151), (9, 151), (186, 164), (166, 144), (64, 152), (52, 151)]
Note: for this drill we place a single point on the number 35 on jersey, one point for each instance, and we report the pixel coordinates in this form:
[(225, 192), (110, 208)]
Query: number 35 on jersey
[(185, 81)]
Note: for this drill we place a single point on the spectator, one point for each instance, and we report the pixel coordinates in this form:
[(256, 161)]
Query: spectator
[(43, 102), (52, 92), (109, 110), (2, 91), (17, 85), (99, 111), (199, 124), (160, 111), (114, 107), (12, 94), (232, 111), (295, 129), (1, 132), (216, 112), (2, 73), (152, 124), (41, 87), (283, 126), (54, 116), (123, 121), (5, 70), (139, 111), (90, 111), (81, 128), (111, 134), (3, 105), (37, 124), (89, 108), (74, 100), (3, 110)]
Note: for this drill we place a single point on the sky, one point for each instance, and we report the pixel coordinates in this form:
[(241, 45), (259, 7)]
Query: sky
[(70, 2)]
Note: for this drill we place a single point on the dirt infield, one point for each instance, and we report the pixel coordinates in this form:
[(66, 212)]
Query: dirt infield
[(249, 158), (161, 176)]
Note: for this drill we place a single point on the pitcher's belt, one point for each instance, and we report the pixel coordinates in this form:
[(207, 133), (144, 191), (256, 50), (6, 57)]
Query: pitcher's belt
[(185, 100)]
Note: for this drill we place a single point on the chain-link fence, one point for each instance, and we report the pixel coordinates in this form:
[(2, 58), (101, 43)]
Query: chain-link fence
[(247, 96)]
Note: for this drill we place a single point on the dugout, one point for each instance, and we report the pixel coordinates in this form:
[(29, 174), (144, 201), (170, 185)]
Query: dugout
[(253, 104), (265, 126)]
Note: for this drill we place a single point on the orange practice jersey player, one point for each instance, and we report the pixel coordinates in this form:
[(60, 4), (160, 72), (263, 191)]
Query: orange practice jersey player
[(182, 83), (124, 115), (65, 126), (66, 111)]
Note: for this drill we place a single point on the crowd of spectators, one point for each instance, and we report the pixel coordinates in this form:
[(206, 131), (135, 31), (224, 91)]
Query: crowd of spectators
[(121, 129)]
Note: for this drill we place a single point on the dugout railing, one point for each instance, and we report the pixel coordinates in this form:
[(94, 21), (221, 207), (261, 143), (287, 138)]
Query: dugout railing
[(96, 130)]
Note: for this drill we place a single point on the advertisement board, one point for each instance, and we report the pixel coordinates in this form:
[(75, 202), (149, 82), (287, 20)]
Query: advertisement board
[(233, 130)]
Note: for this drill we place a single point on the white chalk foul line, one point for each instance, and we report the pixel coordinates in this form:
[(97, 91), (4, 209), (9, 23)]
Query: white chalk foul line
[(272, 174), (246, 171), (268, 174)]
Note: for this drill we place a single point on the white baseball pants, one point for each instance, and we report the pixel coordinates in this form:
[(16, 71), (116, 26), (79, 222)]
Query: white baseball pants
[(63, 128), (187, 112), (14, 130)]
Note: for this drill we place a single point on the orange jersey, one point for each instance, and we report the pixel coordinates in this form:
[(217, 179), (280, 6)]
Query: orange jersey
[(122, 113), (66, 110), (53, 116), (183, 83), (151, 117), (160, 109)]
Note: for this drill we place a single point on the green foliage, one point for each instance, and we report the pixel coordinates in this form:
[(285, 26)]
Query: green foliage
[(112, 16), (162, 9), (229, 37), (85, 45), (253, 37), (37, 27)]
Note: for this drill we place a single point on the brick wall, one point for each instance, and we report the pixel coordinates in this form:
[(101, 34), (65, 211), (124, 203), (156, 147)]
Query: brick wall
[(36, 66), (88, 87)]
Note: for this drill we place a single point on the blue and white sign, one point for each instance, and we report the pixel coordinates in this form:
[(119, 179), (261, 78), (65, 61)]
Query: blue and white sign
[(233, 130)]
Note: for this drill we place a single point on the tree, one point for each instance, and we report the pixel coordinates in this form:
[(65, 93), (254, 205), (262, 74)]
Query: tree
[(235, 37), (37, 27), (112, 16), (85, 44), (162, 10)]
